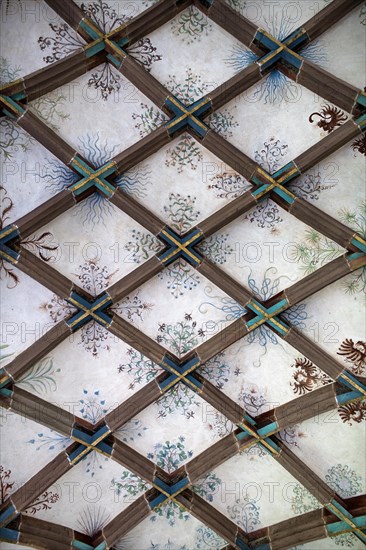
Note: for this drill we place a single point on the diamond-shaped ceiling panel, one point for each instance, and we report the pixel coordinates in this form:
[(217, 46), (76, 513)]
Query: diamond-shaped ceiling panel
[(182, 269)]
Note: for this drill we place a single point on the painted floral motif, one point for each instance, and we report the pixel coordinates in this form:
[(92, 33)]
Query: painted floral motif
[(253, 399), (95, 208), (140, 367), (356, 219), (355, 355), (12, 137), (179, 277), (43, 502), (315, 251), (245, 514), (65, 41), (8, 73), (185, 152), (131, 430), (303, 501), (149, 119), (3, 356), (180, 337), (191, 25), (208, 486), (216, 370), (346, 540), (41, 377), (6, 485), (220, 425), (95, 278), (172, 512), (307, 376), (275, 87), (132, 307), (216, 248), (330, 117), (141, 246), (128, 484), (345, 481), (92, 519), (179, 399), (267, 213), (223, 122), (50, 109), (189, 89), (167, 546), (231, 310), (93, 408), (181, 211), (309, 187), (362, 15), (50, 439), (359, 145), (42, 245), (229, 185), (353, 412), (291, 435), (170, 455), (206, 539)]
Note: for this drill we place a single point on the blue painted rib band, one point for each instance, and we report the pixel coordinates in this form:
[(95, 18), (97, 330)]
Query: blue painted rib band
[(19, 96), (104, 447), (91, 32), (265, 40), (291, 59), (360, 245), (77, 452), (5, 392), (9, 535), (361, 121), (285, 196), (268, 429), (194, 381), (177, 487), (279, 306), (102, 431), (273, 445), (168, 381), (348, 384), (81, 545), (15, 105), (249, 419), (282, 329), (164, 486), (354, 256), (302, 36), (360, 99), (89, 52), (81, 435), (195, 361), (341, 509), (116, 62), (241, 544), (348, 396), (157, 501), (7, 514)]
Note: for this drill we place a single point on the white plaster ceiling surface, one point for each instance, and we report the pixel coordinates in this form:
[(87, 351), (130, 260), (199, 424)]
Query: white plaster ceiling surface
[(266, 250)]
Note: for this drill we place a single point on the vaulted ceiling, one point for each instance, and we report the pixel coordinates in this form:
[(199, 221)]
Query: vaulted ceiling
[(182, 262)]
